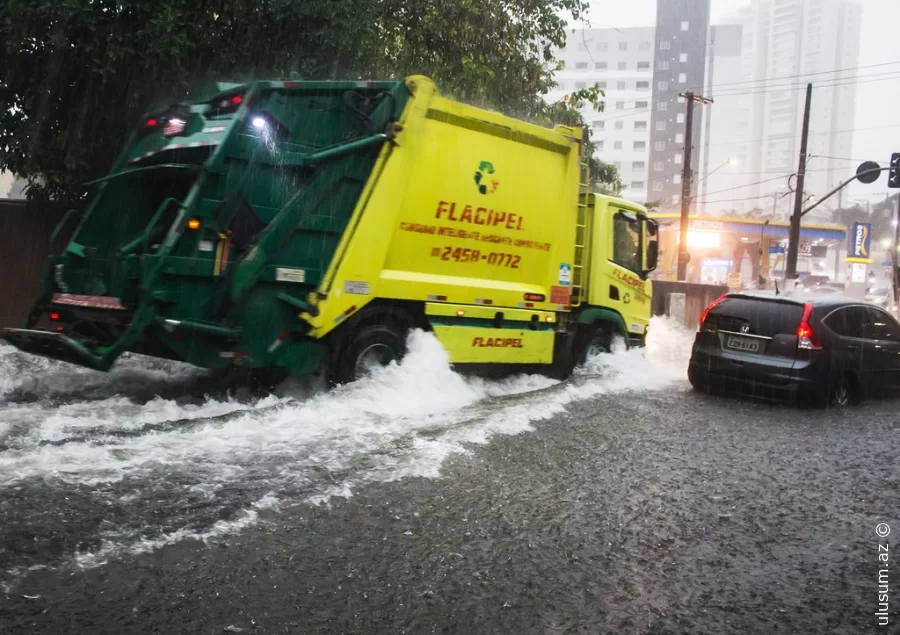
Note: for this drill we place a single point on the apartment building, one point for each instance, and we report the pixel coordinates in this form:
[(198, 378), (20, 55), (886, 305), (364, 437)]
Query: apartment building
[(785, 44), (679, 66), (621, 61)]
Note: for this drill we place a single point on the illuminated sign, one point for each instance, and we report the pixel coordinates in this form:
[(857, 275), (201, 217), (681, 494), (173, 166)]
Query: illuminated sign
[(860, 240)]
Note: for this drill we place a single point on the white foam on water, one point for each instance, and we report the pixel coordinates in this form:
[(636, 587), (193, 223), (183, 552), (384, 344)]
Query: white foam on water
[(402, 422), (119, 545)]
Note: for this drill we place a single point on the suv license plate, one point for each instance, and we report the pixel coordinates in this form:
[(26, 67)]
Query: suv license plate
[(742, 344)]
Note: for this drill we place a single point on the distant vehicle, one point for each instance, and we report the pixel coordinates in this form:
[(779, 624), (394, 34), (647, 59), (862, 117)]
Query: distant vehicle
[(879, 295), (800, 347), (811, 281), (827, 289)]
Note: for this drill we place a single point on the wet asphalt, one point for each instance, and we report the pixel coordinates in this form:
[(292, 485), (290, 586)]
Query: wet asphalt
[(669, 512)]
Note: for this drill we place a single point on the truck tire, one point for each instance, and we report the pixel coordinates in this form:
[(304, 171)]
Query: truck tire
[(597, 339), (372, 346)]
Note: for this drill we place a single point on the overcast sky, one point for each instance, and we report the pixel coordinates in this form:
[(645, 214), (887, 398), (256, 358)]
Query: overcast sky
[(877, 103)]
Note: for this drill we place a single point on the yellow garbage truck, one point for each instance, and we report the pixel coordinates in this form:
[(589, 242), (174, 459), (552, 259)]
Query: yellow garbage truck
[(293, 227)]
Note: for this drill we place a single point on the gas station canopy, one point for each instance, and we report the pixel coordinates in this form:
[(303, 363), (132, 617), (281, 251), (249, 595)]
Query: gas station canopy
[(752, 227)]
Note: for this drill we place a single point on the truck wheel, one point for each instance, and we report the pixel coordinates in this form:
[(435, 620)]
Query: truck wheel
[(372, 347), (596, 341)]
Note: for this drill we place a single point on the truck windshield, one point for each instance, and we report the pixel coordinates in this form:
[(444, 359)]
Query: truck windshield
[(626, 241)]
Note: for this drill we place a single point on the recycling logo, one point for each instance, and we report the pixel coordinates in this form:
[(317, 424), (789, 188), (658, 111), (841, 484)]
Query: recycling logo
[(482, 181)]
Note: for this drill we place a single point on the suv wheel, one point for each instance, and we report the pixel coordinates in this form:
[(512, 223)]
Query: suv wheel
[(842, 393)]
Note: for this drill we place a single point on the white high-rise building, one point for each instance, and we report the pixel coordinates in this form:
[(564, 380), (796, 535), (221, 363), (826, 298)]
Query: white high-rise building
[(784, 45), (621, 61)]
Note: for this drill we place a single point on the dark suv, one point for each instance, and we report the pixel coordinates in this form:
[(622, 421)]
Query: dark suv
[(830, 351)]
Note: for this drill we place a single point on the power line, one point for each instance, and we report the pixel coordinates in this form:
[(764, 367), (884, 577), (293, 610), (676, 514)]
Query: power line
[(738, 187), (754, 91)]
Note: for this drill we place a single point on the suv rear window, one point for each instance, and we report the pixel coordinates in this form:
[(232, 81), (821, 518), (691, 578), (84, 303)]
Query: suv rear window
[(763, 317)]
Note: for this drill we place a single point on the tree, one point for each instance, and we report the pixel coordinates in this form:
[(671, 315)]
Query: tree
[(78, 74)]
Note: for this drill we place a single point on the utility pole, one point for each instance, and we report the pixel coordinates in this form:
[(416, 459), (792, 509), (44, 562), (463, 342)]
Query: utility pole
[(683, 255), (790, 265), (895, 276)]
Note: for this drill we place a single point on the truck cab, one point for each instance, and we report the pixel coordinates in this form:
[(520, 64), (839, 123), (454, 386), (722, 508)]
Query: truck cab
[(622, 253)]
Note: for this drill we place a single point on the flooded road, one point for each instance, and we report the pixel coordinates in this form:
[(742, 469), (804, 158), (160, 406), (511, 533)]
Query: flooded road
[(422, 501)]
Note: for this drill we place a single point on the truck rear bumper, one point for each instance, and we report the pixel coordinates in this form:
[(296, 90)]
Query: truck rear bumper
[(56, 346)]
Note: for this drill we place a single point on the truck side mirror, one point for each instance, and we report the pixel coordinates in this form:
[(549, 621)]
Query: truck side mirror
[(652, 255), (651, 241)]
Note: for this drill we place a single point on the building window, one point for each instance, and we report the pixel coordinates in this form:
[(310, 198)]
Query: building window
[(644, 46), (640, 145), (602, 85), (617, 165), (620, 105), (620, 125), (580, 85), (679, 118), (665, 45), (659, 166), (682, 58), (581, 66), (657, 186), (676, 199), (663, 86), (659, 146), (599, 125), (600, 66), (681, 100), (664, 65), (643, 66), (561, 86), (640, 125), (682, 78), (617, 145), (661, 126), (684, 25), (620, 85), (603, 47), (679, 138), (623, 46), (599, 144), (663, 105), (640, 105), (642, 85), (638, 165), (623, 66), (677, 159), (637, 185), (676, 179)]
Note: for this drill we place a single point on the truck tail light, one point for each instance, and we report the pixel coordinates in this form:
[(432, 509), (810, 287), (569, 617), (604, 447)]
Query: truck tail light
[(706, 311), (806, 338), (534, 297)]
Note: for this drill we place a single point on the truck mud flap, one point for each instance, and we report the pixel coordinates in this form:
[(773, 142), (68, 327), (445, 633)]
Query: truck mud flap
[(56, 346)]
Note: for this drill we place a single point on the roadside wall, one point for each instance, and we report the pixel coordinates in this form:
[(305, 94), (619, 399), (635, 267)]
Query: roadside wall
[(696, 298), (24, 232)]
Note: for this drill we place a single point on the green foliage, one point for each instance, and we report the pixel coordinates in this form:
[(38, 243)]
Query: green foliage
[(77, 74)]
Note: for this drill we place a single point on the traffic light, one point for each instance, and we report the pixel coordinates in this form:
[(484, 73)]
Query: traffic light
[(894, 171)]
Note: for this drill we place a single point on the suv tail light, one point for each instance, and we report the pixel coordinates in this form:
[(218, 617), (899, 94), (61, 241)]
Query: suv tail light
[(708, 309), (806, 338)]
